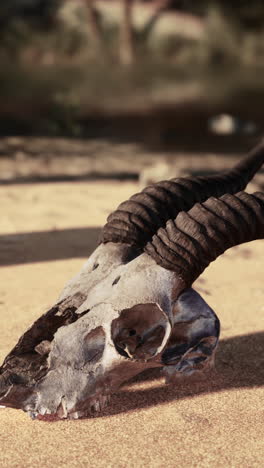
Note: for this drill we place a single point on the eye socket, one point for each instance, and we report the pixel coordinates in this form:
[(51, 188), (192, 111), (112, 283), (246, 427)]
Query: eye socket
[(96, 265), (138, 332)]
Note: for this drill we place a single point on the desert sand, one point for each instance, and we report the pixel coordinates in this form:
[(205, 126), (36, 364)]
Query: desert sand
[(47, 231)]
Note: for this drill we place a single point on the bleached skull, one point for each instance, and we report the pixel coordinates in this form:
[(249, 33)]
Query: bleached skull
[(105, 341)]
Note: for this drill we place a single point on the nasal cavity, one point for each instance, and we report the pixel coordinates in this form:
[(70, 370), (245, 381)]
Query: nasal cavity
[(17, 379)]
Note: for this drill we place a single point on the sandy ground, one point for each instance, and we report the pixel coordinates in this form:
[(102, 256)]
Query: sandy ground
[(47, 231)]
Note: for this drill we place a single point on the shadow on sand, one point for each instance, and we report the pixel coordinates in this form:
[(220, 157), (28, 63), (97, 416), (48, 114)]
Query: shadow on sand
[(239, 364), (45, 246)]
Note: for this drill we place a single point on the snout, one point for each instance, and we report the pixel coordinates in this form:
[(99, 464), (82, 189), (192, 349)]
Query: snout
[(75, 373), (14, 390), (73, 393), (64, 392), (67, 393), (49, 400)]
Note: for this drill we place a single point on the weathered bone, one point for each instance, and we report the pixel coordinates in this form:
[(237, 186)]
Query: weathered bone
[(72, 372), (74, 356), (193, 341)]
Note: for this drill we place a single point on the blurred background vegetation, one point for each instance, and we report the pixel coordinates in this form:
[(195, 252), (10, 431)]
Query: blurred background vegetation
[(161, 72)]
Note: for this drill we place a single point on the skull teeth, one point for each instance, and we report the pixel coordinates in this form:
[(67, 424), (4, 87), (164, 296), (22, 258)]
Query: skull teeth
[(62, 411), (104, 400), (96, 405), (99, 404), (75, 415)]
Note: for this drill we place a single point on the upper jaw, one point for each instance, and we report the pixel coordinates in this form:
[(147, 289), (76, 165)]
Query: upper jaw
[(93, 398), (73, 394), (15, 395), (95, 404)]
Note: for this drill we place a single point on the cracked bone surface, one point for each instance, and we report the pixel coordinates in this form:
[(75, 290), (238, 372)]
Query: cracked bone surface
[(129, 310)]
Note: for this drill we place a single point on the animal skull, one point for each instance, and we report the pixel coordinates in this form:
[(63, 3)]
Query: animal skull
[(114, 339), (131, 307)]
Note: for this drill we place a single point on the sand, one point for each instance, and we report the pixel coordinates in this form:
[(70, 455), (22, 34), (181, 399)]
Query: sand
[(47, 230)]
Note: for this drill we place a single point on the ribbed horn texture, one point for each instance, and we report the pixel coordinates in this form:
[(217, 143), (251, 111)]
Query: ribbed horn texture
[(188, 244), (136, 220)]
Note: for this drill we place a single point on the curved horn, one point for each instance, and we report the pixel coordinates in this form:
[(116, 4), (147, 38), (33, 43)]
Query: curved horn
[(193, 240), (137, 219)]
